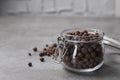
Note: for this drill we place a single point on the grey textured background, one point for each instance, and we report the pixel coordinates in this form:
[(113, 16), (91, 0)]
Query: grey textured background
[(60, 7), (19, 34)]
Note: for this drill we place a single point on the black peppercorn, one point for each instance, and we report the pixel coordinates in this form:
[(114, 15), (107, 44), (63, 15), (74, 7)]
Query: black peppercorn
[(42, 59), (29, 54), (46, 45), (35, 49), (30, 64)]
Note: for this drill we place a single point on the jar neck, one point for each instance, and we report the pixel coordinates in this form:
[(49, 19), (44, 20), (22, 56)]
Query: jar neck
[(77, 39)]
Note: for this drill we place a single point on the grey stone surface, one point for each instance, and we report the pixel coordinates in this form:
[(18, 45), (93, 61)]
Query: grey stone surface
[(18, 35)]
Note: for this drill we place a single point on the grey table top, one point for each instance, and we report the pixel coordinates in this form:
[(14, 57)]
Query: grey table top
[(18, 35)]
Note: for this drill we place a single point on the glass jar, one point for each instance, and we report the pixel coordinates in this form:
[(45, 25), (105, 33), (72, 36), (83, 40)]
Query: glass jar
[(80, 56)]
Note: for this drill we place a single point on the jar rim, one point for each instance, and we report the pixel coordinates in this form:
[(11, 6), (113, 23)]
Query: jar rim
[(64, 34)]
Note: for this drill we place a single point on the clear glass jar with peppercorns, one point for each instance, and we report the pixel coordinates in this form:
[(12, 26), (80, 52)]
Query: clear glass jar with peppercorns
[(80, 50)]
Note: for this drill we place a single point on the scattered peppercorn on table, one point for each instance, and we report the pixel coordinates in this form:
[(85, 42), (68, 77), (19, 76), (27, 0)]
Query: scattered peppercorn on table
[(22, 38)]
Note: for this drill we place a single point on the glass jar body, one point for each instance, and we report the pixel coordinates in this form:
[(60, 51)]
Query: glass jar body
[(83, 57), (81, 51)]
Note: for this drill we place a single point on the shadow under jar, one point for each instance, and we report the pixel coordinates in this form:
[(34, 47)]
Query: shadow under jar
[(80, 50)]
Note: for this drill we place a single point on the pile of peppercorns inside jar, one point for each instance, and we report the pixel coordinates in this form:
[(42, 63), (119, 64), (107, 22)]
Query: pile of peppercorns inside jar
[(88, 55), (89, 52)]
